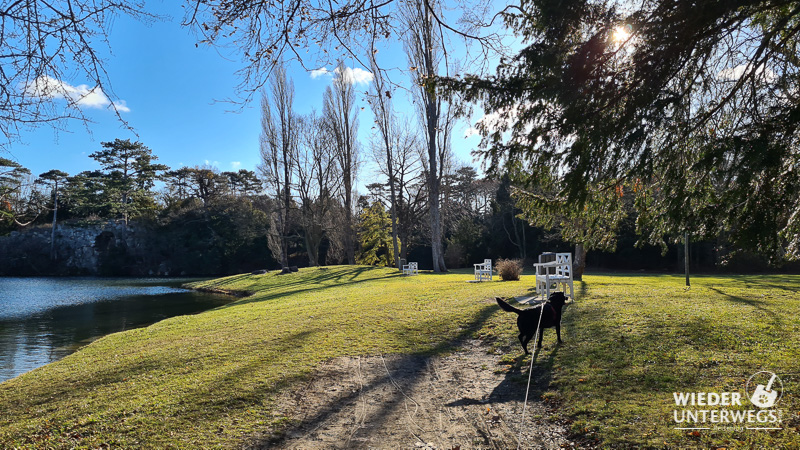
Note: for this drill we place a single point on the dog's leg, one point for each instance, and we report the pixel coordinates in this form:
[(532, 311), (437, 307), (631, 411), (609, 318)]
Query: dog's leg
[(558, 332), (541, 335), (524, 339)]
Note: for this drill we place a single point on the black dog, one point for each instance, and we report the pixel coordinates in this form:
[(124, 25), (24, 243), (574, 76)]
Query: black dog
[(529, 318)]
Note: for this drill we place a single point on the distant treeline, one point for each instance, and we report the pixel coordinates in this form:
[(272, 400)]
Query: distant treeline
[(201, 221)]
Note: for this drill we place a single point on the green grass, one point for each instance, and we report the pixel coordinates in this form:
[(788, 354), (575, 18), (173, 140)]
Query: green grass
[(634, 340), (212, 379)]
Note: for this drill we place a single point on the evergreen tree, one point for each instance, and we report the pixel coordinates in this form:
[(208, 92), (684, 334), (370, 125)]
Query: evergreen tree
[(375, 237), (692, 106), (130, 173)]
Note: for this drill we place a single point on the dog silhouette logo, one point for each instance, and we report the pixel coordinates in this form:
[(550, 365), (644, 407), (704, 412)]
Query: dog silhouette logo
[(764, 396)]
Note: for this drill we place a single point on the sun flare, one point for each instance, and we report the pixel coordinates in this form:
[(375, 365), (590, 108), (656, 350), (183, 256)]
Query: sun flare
[(621, 33)]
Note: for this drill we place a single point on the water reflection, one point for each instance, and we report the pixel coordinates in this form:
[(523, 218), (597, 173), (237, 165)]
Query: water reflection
[(44, 319)]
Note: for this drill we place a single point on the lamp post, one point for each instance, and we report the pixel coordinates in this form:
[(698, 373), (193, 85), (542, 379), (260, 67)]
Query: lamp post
[(686, 256)]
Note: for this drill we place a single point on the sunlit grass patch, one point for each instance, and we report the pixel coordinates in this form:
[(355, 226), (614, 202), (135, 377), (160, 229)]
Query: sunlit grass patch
[(212, 378), (634, 340)]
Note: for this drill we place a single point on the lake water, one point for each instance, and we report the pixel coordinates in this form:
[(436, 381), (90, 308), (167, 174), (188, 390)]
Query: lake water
[(44, 319)]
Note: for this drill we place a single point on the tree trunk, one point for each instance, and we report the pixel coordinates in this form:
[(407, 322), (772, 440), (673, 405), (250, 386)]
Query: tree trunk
[(433, 186), (312, 255), (393, 199), (519, 234), (436, 220), (287, 201), (579, 265), (686, 257), (349, 241), (403, 245), (422, 48), (125, 208), (53, 231)]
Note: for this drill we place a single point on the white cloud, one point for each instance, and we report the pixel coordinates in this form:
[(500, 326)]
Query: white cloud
[(761, 72), (353, 75), (236, 164), (319, 72), (122, 106), (82, 95)]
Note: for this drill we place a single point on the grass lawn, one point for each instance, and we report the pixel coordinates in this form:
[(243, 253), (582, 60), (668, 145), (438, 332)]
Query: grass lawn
[(210, 380), (634, 340)]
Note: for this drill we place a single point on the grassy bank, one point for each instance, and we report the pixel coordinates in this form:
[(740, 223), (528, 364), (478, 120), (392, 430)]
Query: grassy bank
[(211, 380)]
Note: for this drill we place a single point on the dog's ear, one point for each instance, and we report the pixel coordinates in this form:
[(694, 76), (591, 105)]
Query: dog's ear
[(558, 297)]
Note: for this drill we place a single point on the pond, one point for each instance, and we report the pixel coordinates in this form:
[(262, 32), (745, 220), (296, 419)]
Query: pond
[(45, 319)]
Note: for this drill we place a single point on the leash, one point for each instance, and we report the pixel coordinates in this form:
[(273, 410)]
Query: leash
[(530, 371)]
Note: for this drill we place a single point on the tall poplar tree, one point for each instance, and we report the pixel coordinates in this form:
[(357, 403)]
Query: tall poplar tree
[(279, 139)]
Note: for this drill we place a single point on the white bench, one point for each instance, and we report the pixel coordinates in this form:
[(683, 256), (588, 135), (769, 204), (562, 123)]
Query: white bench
[(483, 271), (410, 269), (555, 274)]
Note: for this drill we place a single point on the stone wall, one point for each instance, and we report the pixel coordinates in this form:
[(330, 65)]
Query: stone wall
[(101, 249)]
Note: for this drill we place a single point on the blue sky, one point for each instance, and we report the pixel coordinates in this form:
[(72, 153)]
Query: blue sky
[(171, 92)]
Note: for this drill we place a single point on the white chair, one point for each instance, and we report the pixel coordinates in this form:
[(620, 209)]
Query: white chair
[(544, 270), (410, 269), (483, 271), (554, 274), (563, 276)]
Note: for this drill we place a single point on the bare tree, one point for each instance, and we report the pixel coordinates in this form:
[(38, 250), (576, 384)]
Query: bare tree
[(43, 43), (278, 140), (341, 122), (410, 182), (426, 55), (18, 199), (319, 31), (317, 181), (381, 102)]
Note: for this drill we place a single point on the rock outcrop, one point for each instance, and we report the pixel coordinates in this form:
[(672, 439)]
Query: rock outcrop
[(103, 249)]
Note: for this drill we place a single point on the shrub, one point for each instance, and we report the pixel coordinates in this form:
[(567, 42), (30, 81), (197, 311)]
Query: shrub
[(509, 269)]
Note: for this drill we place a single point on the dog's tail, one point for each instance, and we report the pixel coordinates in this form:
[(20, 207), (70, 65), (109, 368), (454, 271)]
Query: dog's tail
[(506, 306)]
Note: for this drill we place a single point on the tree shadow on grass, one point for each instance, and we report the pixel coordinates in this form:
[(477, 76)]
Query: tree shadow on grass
[(756, 304), (330, 278), (222, 282), (249, 393), (402, 373), (514, 385), (769, 282)]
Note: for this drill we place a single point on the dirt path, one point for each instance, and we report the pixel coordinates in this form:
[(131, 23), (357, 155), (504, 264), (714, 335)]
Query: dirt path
[(400, 401)]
